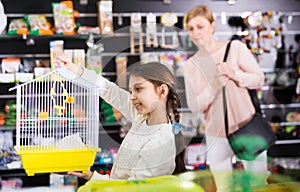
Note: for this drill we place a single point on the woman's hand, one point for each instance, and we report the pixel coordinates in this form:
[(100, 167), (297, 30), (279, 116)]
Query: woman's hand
[(86, 176), (225, 72), (65, 61)]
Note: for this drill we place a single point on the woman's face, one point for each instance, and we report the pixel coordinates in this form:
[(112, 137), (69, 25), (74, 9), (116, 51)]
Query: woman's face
[(200, 30), (145, 97)]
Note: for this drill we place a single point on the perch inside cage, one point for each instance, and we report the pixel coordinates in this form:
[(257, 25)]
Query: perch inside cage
[(57, 124)]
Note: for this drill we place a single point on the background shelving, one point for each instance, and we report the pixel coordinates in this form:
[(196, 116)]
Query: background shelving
[(15, 46)]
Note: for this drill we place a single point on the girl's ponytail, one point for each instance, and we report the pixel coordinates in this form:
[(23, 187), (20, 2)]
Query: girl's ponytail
[(179, 140)]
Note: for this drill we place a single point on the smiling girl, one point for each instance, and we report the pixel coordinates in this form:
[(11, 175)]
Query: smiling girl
[(153, 146)]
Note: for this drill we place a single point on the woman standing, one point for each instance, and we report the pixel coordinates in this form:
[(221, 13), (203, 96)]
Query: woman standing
[(205, 75)]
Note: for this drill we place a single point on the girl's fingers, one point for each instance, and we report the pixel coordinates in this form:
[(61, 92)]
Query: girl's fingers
[(86, 176)]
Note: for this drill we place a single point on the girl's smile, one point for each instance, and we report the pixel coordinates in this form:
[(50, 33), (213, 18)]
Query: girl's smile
[(138, 106)]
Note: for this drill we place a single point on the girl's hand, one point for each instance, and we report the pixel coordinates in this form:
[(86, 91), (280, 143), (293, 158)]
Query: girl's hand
[(65, 61), (86, 176)]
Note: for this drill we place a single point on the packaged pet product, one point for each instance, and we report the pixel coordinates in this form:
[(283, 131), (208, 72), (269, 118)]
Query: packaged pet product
[(56, 48), (10, 65), (121, 65), (94, 57), (105, 17), (64, 21), (38, 25), (18, 27)]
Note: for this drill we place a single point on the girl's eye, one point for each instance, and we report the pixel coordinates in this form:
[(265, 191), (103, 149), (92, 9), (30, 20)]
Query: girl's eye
[(190, 29), (135, 90)]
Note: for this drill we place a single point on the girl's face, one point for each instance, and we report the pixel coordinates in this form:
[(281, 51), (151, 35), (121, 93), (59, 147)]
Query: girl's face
[(200, 30), (145, 97)]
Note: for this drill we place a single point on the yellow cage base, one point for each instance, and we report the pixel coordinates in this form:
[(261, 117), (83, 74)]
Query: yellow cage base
[(49, 161)]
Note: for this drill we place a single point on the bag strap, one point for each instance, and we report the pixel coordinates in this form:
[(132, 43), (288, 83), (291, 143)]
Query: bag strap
[(255, 100), (223, 90), (252, 93)]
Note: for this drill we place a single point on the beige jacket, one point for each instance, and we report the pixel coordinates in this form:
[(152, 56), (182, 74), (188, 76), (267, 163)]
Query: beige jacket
[(203, 96)]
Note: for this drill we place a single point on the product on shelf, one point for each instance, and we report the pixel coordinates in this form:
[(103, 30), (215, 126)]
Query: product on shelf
[(23, 77), (56, 49), (76, 55), (136, 34), (85, 30), (94, 57), (10, 65), (168, 21), (64, 20), (105, 16), (151, 30), (167, 58), (253, 19), (147, 57), (38, 25), (38, 66), (108, 113), (10, 116), (180, 59), (18, 27), (121, 66), (2, 118), (40, 71), (10, 71)]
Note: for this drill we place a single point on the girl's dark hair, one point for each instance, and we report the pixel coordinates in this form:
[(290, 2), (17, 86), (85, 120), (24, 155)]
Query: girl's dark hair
[(159, 74)]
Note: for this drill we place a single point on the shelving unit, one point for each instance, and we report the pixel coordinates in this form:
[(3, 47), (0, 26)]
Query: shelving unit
[(15, 46)]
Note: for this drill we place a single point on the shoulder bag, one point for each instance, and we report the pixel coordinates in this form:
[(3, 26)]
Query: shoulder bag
[(254, 137)]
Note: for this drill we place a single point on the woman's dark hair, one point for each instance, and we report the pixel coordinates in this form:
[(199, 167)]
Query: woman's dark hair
[(159, 74)]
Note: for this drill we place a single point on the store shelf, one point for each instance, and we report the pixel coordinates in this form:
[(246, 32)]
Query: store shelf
[(7, 128), (17, 45), (296, 123), (284, 142), (25, 55), (8, 96), (271, 87), (105, 54), (110, 124), (48, 37), (78, 36), (6, 172), (144, 14), (282, 106)]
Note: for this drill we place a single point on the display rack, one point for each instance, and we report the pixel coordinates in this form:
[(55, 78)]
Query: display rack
[(79, 41)]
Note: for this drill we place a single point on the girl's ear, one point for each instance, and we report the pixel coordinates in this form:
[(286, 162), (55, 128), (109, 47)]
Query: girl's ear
[(163, 91)]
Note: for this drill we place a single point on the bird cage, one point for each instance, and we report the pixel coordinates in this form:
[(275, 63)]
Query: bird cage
[(57, 123)]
